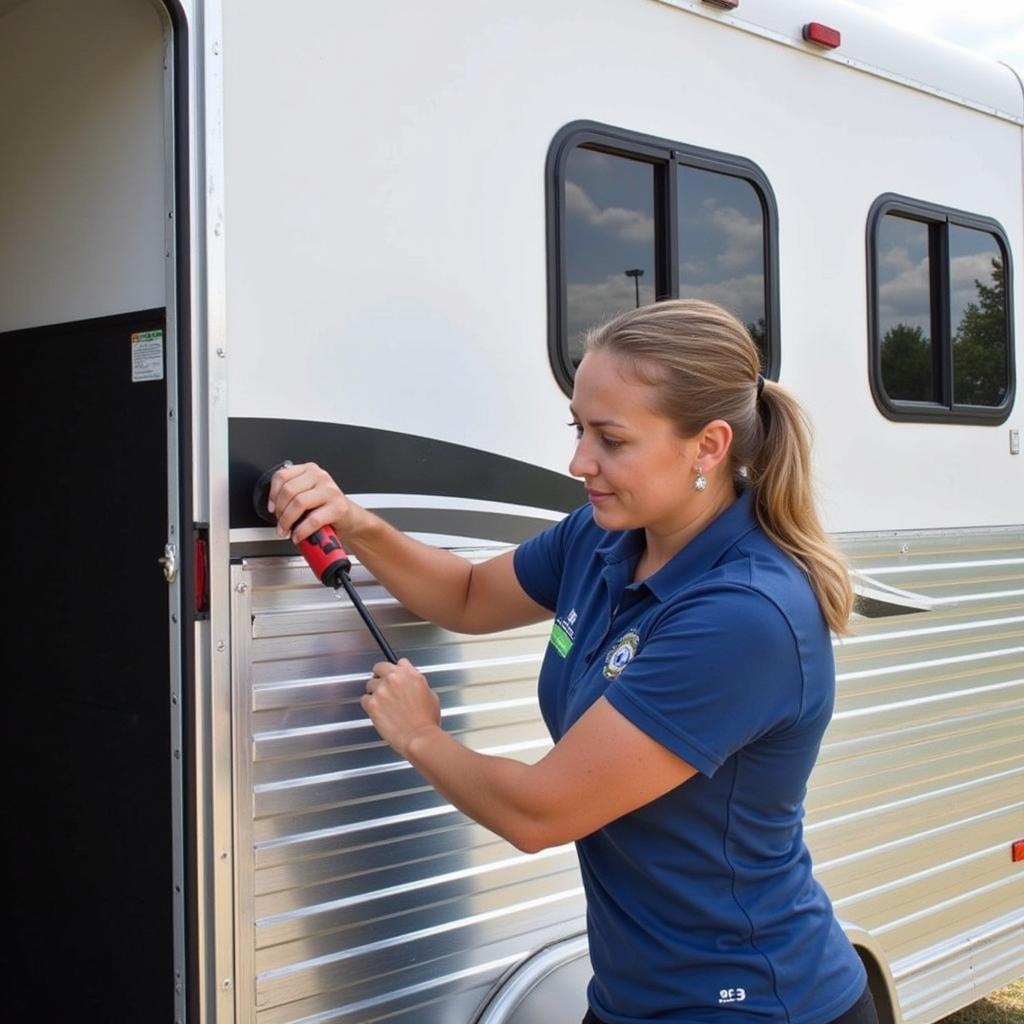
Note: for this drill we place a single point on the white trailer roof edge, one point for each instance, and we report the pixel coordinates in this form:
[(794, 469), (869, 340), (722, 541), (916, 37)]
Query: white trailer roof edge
[(874, 46)]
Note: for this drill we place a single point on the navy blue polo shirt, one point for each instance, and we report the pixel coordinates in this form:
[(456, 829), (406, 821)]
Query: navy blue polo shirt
[(701, 905)]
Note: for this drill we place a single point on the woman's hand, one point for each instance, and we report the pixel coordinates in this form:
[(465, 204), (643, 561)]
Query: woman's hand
[(298, 490), (400, 703)]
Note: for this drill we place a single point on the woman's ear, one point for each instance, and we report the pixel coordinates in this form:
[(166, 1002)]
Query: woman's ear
[(713, 444)]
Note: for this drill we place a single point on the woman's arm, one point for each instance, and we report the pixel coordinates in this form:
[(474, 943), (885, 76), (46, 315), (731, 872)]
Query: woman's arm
[(435, 584), (602, 768)]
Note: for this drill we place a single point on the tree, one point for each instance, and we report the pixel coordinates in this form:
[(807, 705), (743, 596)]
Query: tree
[(979, 347), (759, 333), (907, 364)]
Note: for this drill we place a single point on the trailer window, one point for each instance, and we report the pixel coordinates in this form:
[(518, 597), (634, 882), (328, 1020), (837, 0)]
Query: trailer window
[(977, 317), (634, 219), (609, 239), (940, 318), (721, 245), (905, 310)]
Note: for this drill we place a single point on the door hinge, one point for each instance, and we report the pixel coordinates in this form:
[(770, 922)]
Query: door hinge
[(170, 563)]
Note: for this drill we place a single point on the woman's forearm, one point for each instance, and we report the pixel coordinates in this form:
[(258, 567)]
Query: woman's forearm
[(436, 584), (431, 582), (495, 791)]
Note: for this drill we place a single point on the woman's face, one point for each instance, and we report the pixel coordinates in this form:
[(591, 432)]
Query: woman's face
[(638, 472)]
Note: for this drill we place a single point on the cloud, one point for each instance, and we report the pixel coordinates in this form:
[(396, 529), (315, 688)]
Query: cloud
[(593, 303), (622, 224), (963, 272), (906, 294), (744, 237), (743, 296), (896, 259), (905, 297)]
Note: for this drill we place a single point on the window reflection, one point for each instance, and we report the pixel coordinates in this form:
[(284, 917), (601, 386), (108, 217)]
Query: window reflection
[(609, 240), (977, 281), (905, 310), (721, 246)]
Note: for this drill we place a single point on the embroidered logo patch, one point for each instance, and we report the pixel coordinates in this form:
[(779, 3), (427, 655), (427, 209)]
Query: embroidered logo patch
[(563, 634), (621, 655)]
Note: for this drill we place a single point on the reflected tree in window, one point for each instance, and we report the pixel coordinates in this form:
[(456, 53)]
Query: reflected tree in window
[(759, 332), (907, 363), (980, 371)]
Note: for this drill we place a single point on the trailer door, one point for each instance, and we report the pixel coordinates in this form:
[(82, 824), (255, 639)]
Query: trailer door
[(87, 334)]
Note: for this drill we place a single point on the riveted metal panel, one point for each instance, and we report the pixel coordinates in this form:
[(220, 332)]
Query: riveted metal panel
[(363, 896), (919, 789), (361, 893)]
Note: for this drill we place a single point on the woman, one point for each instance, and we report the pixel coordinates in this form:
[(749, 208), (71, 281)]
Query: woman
[(687, 684)]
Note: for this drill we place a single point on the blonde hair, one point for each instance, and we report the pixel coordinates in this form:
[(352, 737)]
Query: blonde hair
[(704, 366)]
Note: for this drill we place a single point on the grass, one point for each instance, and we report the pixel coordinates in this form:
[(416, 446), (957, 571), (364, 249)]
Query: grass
[(1003, 1007)]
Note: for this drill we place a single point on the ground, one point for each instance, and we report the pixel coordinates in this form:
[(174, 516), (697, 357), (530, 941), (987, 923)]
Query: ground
[(1003, 1007)]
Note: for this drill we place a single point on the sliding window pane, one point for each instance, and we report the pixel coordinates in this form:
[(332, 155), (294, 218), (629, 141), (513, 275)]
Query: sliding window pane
[(722, 246), (905, 310), (977, 280), (609, 240)]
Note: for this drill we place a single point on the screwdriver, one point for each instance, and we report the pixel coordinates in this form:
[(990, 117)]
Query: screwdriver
[(325, 556)]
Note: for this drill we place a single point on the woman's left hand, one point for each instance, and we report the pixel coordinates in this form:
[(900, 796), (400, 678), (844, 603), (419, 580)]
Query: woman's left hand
[(400, 703)]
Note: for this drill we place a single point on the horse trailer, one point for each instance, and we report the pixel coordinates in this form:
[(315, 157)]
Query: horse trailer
[(372, 236)]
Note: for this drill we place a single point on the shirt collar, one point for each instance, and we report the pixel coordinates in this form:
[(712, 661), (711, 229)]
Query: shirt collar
[(700, 555)]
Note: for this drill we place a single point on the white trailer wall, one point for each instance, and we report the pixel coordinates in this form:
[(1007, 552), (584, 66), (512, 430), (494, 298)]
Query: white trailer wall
[(81, 177), (386, 238)]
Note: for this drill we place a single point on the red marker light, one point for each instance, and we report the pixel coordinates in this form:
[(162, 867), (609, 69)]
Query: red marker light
[(1017, 850), (822, 35), (202, 588)]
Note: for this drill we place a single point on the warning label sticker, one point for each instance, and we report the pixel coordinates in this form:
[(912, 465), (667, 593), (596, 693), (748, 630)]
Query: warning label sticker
[(147, 356)]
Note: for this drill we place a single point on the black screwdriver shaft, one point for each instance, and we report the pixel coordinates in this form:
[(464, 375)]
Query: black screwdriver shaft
[(372, 626)]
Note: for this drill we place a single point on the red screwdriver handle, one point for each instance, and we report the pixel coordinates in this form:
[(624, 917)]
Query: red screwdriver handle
[(325, 555), (322, 550)]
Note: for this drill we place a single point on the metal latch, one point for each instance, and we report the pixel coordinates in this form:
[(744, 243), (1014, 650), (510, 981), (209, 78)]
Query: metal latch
[(169, 562)]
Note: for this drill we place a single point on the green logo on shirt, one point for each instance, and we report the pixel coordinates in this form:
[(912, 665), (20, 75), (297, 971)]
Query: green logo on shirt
[(561, 640)]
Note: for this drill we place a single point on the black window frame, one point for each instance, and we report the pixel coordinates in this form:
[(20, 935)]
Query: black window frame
[(666, 155), (938, 219)]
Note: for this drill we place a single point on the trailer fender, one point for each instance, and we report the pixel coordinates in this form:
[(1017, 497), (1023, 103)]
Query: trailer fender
[(542, 987), (880, 980)]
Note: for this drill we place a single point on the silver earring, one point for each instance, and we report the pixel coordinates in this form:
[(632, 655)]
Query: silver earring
[(701, 482)]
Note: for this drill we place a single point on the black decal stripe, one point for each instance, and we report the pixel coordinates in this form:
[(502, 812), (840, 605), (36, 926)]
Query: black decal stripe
[(365, 460)]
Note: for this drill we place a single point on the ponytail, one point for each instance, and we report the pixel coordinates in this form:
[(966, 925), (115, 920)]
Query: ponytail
[(704, 366), (780, 474)]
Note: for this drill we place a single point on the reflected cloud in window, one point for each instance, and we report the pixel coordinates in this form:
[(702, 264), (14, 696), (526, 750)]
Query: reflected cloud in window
[(609, 211), (721, 245)]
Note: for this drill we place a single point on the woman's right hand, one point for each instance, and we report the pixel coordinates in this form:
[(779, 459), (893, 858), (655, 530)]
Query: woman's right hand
[(298, 490)]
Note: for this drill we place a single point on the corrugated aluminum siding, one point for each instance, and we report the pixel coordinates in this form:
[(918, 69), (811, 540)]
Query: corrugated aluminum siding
[(919, 789), (362, 895)]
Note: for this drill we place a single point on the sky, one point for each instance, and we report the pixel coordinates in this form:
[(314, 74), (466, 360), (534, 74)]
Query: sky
[(991, 27)]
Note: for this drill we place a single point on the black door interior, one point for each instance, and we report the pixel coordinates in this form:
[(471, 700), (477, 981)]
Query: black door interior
[(86, 668)]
